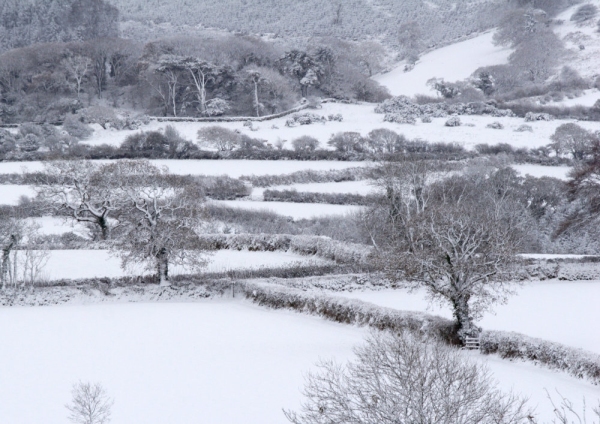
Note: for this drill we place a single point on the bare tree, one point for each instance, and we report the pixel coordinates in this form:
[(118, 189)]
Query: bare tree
[(77, 67), (81, 188), (456, 237), (223, 139), (90, 404), (159, 220), (406, 379), (566, 413), (11, 234)]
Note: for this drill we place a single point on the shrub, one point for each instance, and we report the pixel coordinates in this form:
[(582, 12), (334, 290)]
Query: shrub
[(221, 138), (347, 142), (524, 128), (532, 117), (305, 143), (337, 117), (426, 120), (305, 119), (495, 125), (73, 125), (454, 121)]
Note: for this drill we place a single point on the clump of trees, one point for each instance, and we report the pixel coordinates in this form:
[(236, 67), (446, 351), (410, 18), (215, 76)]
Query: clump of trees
[(146, 216)]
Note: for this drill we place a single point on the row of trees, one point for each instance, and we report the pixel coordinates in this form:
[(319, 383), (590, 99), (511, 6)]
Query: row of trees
[(183, 76)]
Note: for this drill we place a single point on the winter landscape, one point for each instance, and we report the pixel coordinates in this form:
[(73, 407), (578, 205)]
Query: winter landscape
[(366, 211)]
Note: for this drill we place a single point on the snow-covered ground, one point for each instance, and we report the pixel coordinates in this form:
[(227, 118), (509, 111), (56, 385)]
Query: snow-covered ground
[(218, 361), (293, 210), (11, 193), (75, 264), (560, 311), (588, 99), (233, 168), (55, 225), (539, 171), (452, 63)]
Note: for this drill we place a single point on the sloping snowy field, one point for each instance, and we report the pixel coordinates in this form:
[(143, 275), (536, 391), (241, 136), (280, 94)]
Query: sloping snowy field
[(75, 264), (453, 62), (560, 311), (225, 362)]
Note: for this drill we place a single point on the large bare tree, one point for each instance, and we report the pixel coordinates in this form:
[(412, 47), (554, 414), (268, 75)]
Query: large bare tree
[(159, 220), (455, 236), (83, 189)]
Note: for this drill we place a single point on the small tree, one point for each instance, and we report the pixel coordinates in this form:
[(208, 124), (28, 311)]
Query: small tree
[(406, 379), (573, 139), (347, 142), (90, 404), (305, 143), (383, 140), (222, 139), (159, 220)]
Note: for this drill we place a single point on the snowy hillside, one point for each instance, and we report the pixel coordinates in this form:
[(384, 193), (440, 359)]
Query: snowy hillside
[(452, 63)]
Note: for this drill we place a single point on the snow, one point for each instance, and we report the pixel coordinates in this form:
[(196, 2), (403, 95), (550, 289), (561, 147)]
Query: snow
[(539, 171), (77, 264), (293, 210), (225, 361), (11, 193), (452, 63), (213, 362), (588, 98), (233, 168), (552, 256), (558, 311), (52, 225)]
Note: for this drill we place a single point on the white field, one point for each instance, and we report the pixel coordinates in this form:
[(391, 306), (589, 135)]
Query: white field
[(538, 171), (76, 264), (225, 362), (293, 210), (560, 311), (11, 193), (454, 62), (53, 225), (585, 61)]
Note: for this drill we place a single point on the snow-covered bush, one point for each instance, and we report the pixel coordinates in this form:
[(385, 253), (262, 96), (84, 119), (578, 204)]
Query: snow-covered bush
[(426, 120), (495, 125), (305, 143), (400, 119), (576, 362), (532, 117), (76, 128), (305, 119), (454, 121), (337, 117), (524, 128)]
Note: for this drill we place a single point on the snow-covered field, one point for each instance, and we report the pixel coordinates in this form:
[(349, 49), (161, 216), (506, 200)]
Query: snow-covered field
[(225, 362), (560, 311), (75, 264), (11, 193), (539, 171), (454, 62), (293, 210)]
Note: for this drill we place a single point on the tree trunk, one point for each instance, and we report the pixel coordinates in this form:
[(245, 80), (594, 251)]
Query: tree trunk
[(105, 229), (462, 313), (162, 264), (6, 260), (257, 105)]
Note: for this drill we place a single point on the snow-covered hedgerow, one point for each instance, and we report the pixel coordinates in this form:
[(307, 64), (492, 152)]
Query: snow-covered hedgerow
[(576, 362), (349, 311), (323, 247), (309, 176), (295, 196), (306, 118), (401, 109), (231, 118), (532, 117)]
